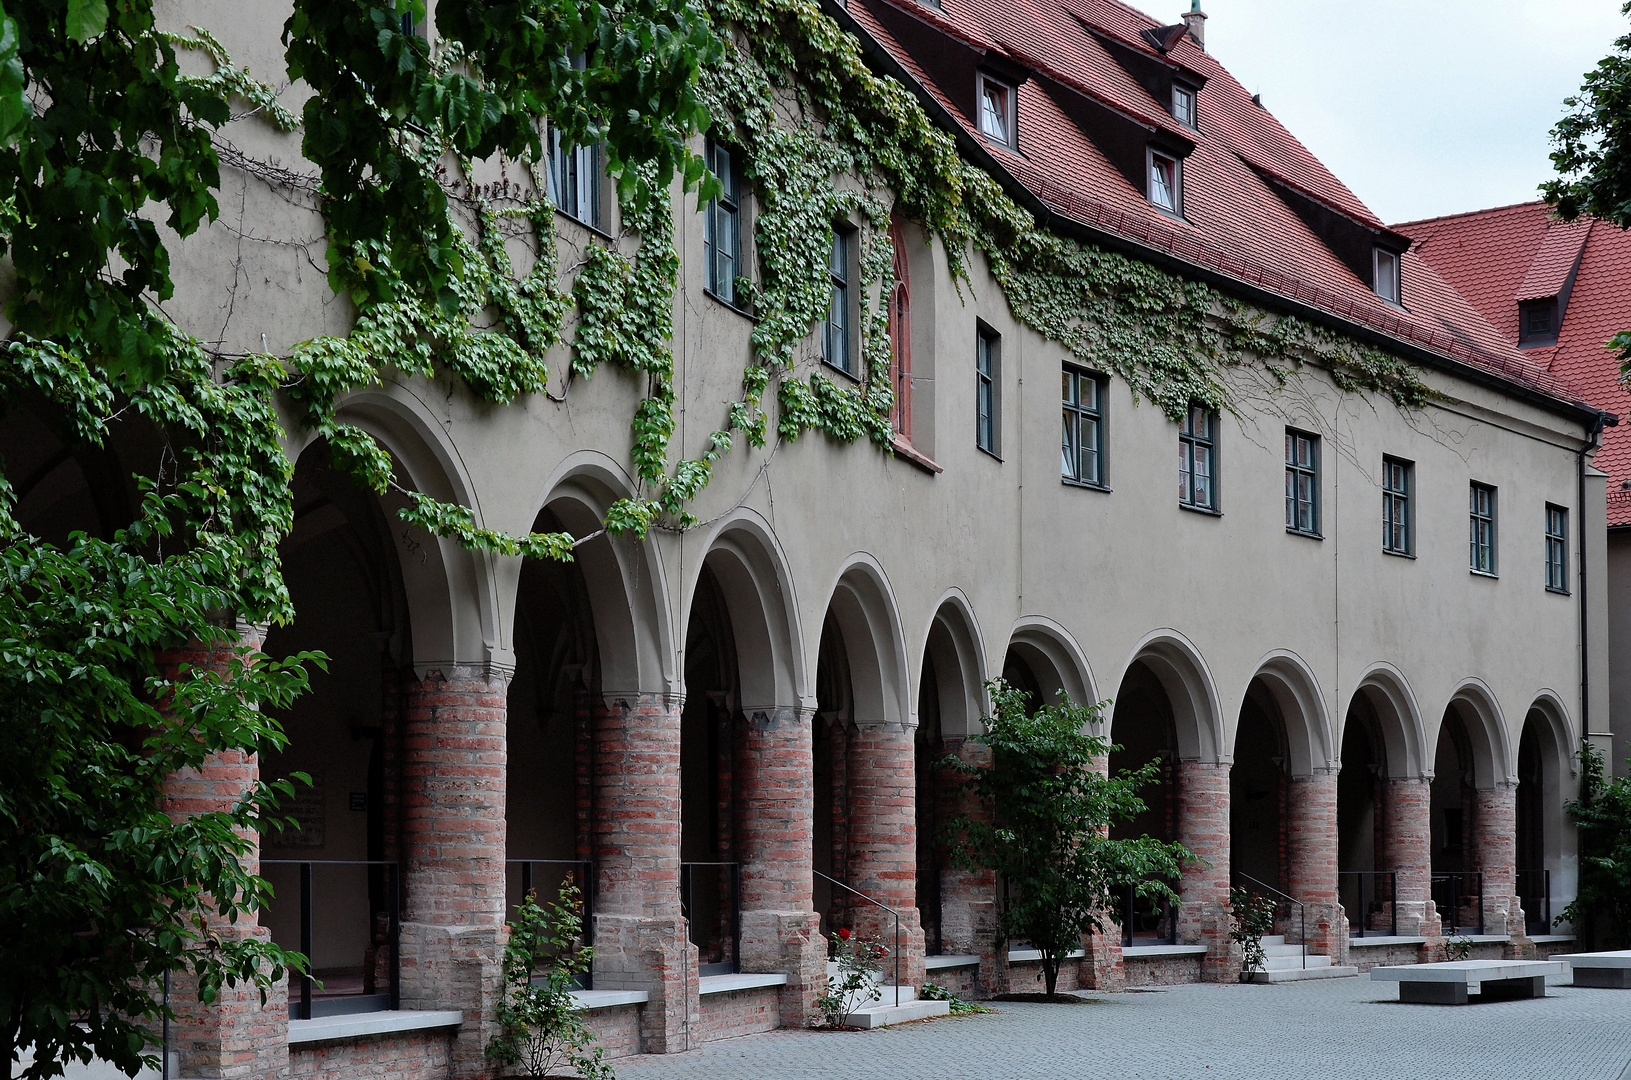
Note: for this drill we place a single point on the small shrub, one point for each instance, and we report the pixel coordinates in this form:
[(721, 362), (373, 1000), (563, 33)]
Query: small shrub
[(1251, 916), (1458, 947), (860, 966), (541, 1028), (959, 1007)]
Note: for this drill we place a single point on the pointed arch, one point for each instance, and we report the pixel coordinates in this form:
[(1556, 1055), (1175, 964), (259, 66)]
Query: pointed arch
[(1183, 674)]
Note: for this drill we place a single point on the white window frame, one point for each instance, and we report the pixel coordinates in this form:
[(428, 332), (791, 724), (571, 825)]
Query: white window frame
[(1010, 135), (1377, 256), (1150, 158), (1193, 119)]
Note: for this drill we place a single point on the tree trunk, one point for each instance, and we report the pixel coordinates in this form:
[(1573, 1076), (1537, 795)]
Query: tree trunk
[(1050, 972)]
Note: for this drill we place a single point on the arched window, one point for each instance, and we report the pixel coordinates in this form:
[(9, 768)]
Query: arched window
[(900, 338)]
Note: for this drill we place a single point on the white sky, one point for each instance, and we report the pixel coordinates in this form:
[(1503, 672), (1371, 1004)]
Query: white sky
[(1422, 107)]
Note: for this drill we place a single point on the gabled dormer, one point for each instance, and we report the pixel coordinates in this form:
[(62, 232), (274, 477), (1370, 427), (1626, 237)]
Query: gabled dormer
[(1175, 87), (1374, 253), (1543, 296)]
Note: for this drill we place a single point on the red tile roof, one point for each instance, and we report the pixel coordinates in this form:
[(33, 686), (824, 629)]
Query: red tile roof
[(1234, 223), (1497, 257)]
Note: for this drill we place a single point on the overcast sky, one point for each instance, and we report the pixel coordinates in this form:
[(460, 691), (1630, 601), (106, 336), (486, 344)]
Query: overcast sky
[(1422, 107)]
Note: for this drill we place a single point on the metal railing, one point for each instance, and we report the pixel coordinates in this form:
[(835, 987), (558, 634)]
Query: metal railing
[(1451, 892), (730, 874), (1383, 900), (535, 872), (340, 996), (1140, 914), (1285, 898), (877, 904), (1535, 894)]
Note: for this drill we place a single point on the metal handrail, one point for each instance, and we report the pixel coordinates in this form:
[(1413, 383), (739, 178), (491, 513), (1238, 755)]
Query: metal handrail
[(735, 869), (1302, 911), (393, 937), (1129, 906), (874, 903), (1453, 880), (1364, 913)]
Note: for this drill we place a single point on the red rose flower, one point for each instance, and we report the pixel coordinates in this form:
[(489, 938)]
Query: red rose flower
[(843, 932)]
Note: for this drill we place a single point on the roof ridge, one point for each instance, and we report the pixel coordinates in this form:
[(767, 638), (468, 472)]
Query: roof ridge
[(1468, 213)]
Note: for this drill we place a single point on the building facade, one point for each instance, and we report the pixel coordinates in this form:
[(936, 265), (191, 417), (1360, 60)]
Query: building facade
[(1362, 637)]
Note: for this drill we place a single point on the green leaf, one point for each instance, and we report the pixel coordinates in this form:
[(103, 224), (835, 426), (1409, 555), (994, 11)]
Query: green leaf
[(87, 19)]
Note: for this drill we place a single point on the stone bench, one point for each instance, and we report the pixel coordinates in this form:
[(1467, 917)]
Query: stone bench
[(1606, 969), (1450, 982)]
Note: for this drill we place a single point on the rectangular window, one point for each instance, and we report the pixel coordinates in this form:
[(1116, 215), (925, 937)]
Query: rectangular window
[(1198, 459), (996, 108), (1183, 105), (722, 231), (1481, 529), (987, 372), (1082, 438), (1165, 177), (1302, 483), (1387, 276), (1557, 548), (1396, 524), (835, 340), (574, 179)]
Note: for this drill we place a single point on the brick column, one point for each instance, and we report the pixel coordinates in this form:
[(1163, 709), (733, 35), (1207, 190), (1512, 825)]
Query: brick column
[(640, 934), (452, 846), (968, 898), (1203, 828), (775, 819), (237, 1036), (1495, 847), (883, 841), (1311, 827), (1407, 852)]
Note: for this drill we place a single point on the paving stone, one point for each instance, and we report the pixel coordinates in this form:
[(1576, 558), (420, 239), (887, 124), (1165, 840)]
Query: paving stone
[(1337, 1028)]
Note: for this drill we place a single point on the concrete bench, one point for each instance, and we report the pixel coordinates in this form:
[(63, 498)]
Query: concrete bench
[(1449, 983), (1606, 969)]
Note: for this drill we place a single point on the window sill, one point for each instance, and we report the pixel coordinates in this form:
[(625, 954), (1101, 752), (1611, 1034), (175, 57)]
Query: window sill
[(830, 366), (922, 461), (720, 300), (1486, 574), (1306, 535), (1207, 510), (595, 229), (988, 452), (1557, 592), (1083, 485), (1399, 554)]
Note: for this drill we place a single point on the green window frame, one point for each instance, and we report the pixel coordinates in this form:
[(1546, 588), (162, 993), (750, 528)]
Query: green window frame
[(1398, 477), (835, 339), (1557, 549), (1302, 483), (987, 373), (1081, 451), (722, 227), (1481, 529), (1198, 459)]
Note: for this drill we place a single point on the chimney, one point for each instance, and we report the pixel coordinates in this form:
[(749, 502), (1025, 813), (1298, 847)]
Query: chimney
[(1195, 19)]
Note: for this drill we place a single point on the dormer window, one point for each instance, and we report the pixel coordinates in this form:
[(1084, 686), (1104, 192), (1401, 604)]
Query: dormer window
[(1385, 275), (1537, 323), (1166, 182), (1183, 104), (996, 110)]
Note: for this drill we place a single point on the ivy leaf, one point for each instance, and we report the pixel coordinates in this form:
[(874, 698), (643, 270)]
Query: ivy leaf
[(14, 107), (87, 19)]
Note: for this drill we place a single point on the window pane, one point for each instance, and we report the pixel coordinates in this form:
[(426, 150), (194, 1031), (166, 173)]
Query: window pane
[(994, 111), (1163, 184), (1090, 452), (1067, 448)]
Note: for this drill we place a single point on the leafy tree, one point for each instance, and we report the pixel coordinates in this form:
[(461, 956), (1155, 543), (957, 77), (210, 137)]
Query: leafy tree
[(1592, 153), (1602, 814), (1048, 807), (541, 1028)]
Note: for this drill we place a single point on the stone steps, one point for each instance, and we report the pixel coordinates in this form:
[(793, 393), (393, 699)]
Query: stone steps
[(882, 1011), (1284, 963)]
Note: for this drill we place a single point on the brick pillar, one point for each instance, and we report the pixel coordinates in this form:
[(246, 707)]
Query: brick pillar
[(1203, 828), (968, 898), (237, 1036), (1495, 847), (775, 819), (1407, 851), (452, 845), (1311, 827), (640, 934), (883, 841)]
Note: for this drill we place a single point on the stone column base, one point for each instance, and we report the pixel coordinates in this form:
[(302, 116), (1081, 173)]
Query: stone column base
[(875, 922), (236, 1037), (654, 955), (1223, 957), (788, 942), (1101, 966), (1327, 931), (456, 967)]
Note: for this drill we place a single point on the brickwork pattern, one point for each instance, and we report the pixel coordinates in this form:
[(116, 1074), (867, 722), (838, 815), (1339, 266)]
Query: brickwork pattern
[(740, 1012), (405, 1056), (640, 936), (883, 838), (968, 907), (1162, 970), (1311, 833), (1495, 849), (1407, 852), (1203, 828), (616, 1030), (962, 981), (775, 823)]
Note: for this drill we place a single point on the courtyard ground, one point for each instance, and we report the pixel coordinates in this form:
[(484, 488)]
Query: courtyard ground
[(1335, 1028)]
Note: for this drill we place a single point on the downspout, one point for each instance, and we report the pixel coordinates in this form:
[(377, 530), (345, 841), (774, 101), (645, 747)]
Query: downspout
[(1585, 598)]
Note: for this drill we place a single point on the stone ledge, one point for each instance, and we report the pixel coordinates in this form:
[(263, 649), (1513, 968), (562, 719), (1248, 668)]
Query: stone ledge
[(1150, 952), (1021, 956), (747, 980), (1550, 939), (362, 1025), (1485, 939), (1369, 941), (609, 999), (940, 963)]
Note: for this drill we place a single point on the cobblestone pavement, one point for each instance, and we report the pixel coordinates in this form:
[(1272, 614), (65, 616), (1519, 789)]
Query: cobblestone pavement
[(1335, 1028)]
